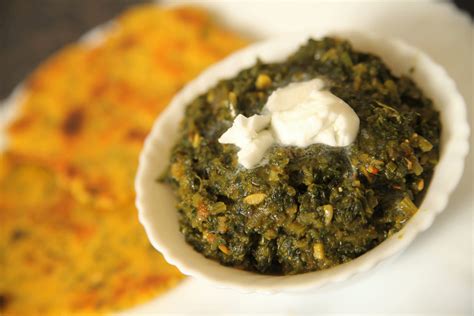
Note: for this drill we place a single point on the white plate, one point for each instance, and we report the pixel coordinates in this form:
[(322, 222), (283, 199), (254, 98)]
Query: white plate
[(434, 275)]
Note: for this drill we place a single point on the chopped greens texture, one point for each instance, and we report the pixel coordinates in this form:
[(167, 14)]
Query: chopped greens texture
[(305, 209)]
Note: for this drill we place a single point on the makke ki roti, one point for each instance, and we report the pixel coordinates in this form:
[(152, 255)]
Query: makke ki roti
[(70, 238)]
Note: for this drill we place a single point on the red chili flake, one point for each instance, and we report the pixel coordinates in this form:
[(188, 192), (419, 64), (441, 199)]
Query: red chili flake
[(373, 170)]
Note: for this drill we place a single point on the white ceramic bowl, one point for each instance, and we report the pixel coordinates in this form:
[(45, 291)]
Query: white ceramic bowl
[(156, 202)]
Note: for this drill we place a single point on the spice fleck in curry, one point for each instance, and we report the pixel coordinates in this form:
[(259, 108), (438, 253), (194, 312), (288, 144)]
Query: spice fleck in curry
[(310, 208), (70, 239)]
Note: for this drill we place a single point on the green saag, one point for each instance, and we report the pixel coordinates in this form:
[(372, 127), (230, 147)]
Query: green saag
[(305, 209)]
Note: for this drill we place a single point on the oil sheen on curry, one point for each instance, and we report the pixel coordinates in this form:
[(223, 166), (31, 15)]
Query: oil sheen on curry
[(304, 208)]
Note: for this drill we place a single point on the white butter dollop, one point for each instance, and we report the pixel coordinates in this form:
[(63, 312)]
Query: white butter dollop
[(300, 114), (249, 135)]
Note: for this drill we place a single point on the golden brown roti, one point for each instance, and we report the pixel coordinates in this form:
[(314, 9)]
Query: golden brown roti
[(70, 240)]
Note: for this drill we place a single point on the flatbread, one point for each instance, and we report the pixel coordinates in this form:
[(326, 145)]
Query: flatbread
[(70, 240)]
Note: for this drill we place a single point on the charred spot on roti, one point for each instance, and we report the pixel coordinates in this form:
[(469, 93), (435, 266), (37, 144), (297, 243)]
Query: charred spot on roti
[(73, 122)]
